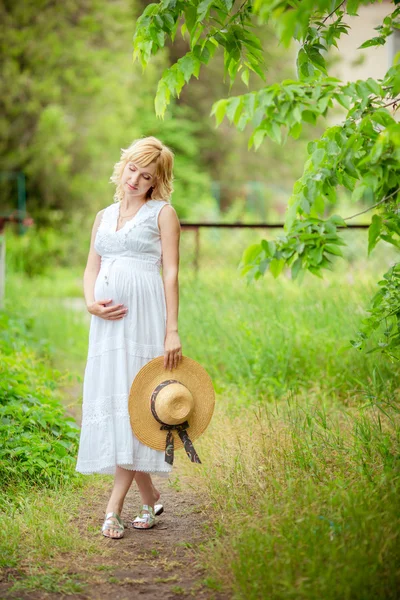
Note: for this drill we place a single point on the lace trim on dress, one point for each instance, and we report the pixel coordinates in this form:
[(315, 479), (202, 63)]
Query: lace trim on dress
[(113, 241), (146, 212), (108, 220), (133, 348), (104, 408), (103, 240), (98, 467)]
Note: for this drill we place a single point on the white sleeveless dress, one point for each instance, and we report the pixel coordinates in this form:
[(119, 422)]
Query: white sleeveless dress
[(130, 273)]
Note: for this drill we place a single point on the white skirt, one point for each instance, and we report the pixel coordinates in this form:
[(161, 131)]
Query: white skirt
[(118, 349)]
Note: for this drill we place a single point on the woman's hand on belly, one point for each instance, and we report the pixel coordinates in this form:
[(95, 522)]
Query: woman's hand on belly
[(110, 313)]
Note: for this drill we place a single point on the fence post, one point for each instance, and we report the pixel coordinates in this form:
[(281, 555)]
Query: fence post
[(196, 249), (2, 268)]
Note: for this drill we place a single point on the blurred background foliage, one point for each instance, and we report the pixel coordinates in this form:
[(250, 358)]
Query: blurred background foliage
[(72, 98)]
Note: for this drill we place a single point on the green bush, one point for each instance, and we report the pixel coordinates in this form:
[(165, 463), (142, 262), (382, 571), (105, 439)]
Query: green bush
[(34, 252), (38, 442)]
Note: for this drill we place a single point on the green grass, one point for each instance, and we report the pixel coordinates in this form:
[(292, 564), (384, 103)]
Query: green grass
[(44, 301), (52, 581), (301, 465), (38, 524), (262, 341), (305, 502), (300, 471)]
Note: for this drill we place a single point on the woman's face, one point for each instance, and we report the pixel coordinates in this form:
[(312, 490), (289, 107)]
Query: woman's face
[(136, 181)]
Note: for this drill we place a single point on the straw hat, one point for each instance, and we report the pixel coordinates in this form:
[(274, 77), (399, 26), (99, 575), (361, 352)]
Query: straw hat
[(170, 409)]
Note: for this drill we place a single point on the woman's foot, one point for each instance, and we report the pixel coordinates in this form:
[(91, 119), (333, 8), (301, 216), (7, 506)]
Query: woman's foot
[(113, 526), (155, 496), (145, 519), (114, 529), (122, 482)]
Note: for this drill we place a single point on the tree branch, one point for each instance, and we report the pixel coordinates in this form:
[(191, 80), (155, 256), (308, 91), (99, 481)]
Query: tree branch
[(239, 10), (390, 103), (374, 205), (330, 14)]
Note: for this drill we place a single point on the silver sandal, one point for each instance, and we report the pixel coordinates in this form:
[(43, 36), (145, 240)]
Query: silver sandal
[(111, 525), (148, 517), (158, 509)]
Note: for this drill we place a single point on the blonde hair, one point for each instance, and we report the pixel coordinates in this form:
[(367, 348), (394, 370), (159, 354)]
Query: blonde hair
[(144, 151)]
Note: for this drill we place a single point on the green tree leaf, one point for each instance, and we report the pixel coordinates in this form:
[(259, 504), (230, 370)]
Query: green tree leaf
[(374, 231)]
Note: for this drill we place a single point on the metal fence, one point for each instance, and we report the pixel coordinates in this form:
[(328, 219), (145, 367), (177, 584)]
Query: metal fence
[(219, 246)]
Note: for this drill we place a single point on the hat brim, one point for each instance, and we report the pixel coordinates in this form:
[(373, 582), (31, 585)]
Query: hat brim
[(193, 376)]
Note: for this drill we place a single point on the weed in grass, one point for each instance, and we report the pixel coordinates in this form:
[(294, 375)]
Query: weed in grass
[(166, 579), (212, 584), (185, 544), (175, 483), (178, 590), (104, 567), (169, 565)]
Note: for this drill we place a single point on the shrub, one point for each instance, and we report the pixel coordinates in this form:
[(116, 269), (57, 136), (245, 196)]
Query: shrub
[(38, 442)]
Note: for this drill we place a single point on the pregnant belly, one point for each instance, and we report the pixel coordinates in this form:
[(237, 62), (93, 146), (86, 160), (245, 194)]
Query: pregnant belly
[(142, 293), (114, 284), (129, 286)]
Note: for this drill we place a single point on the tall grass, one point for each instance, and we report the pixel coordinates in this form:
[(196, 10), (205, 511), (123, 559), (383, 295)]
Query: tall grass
[(305, 501), (301, 460), (262, 340), (300, 470), (270, 338)]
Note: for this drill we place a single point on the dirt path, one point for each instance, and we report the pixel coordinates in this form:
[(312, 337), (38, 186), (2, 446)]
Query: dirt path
[(157, 564)]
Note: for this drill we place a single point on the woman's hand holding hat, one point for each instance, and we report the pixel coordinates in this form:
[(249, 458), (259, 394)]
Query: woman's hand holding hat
[(172, 350)]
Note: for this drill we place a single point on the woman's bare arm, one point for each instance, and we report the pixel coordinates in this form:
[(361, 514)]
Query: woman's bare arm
[(93, 264), (170, 234)]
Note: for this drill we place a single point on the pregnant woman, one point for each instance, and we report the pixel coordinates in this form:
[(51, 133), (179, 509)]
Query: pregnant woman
[(134, 319)]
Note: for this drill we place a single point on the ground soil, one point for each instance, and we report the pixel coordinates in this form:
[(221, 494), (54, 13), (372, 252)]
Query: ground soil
[(156, 564)]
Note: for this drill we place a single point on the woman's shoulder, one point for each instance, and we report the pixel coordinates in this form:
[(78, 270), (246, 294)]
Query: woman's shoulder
[(156, 203), (104, 215), (111, 206), (107, 209)]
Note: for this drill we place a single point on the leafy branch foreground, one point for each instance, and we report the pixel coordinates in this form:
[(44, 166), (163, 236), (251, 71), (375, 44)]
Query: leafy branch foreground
[(361, 154)]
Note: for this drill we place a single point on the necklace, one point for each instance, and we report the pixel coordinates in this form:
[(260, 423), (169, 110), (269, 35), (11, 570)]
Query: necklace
[(131, 215)]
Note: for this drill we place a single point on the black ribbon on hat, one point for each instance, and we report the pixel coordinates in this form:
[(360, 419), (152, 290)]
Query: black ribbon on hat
[(180, 428)]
